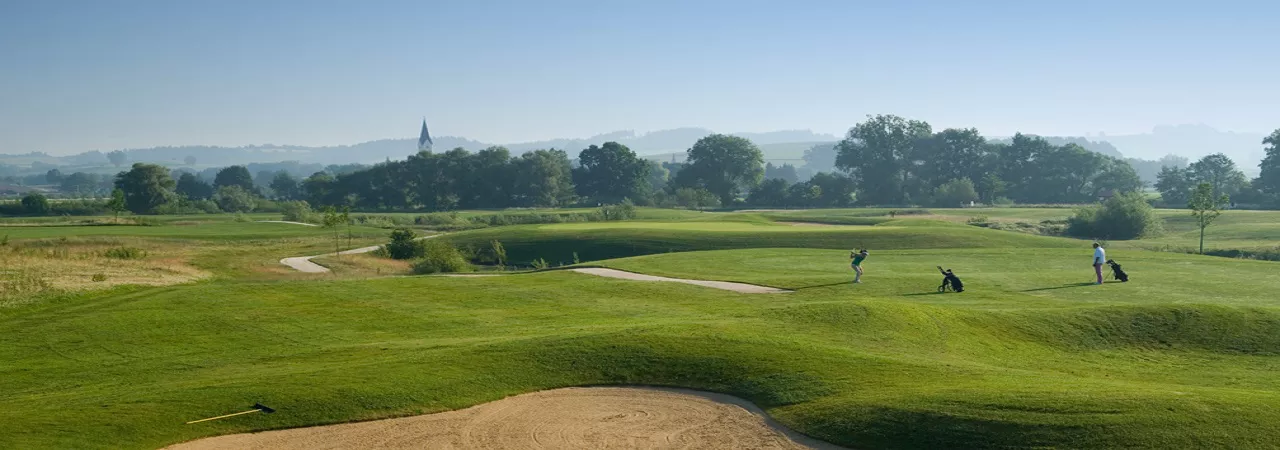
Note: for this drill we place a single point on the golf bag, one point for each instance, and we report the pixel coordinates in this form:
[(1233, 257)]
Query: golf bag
[(1116, 272), (950, 282)]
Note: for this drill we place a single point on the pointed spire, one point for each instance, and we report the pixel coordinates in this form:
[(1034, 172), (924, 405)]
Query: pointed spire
[(424, 139)]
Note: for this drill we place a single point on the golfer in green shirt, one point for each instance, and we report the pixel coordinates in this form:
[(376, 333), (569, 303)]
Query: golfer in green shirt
[(858, 257)]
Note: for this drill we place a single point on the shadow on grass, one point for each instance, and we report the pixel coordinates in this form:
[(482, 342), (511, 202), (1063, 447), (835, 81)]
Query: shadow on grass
[(842, 283), (1070, 285), (924, 293)]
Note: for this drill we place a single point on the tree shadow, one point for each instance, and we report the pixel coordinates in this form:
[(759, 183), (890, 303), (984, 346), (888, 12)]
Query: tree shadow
[(1070, 285), (823, 285)]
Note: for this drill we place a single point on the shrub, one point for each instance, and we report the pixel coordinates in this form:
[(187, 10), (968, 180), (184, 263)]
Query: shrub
[(99, 277), (540, 264), (439, 256), (622, 211), (403, 245), (35, 204), (125, 253), (1126, 216), (957, 192), (978, 220), (297, 211), (234, 198)]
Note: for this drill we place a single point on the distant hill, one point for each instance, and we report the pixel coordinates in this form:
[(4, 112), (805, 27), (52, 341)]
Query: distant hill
[(1193, 142), (779, 147), (1102, 147), (665, 141)]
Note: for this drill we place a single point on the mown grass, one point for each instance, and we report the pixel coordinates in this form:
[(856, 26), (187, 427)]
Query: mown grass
[(599, 241), (1184, 356), (1110, 366)]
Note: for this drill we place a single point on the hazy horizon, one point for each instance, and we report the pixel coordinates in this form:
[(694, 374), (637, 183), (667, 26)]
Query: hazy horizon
[(116, 74)]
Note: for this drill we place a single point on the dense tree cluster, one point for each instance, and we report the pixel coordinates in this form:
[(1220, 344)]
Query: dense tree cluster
[(895, 161)]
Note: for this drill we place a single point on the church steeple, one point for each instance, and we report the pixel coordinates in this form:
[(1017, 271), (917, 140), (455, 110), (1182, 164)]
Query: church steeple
[(424, 139)]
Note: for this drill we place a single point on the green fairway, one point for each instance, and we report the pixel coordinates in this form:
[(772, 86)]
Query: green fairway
[(1031, 355), (606, 240)]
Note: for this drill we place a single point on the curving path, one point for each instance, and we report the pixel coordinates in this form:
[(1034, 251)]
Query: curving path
[(289, 222), (304, 264), (725, 285), (597, 417)]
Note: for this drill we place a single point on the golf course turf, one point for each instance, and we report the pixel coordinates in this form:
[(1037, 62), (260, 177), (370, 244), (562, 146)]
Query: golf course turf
[(1185, 356)]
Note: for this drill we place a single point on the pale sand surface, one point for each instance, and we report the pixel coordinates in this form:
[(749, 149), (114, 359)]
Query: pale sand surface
[(570, 418), (725, 285)]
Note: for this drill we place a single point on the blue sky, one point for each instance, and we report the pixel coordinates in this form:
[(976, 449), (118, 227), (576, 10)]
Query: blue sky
[(106, 74)]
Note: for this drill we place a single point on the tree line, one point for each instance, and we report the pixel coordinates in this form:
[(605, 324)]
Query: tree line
[(884, 160), (1178, 185)]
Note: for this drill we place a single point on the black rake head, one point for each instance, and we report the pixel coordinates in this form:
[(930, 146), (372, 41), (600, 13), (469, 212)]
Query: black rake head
[(263, 408)]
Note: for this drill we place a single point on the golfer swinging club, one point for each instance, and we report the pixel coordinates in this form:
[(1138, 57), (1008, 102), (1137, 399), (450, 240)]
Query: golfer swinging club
[(858, 257)]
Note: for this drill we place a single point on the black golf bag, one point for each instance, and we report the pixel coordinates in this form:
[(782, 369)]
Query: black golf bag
[(950, 282), (1116, 272)]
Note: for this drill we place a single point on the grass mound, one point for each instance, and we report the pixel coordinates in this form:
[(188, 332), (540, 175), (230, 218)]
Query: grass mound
[(601, 241), (1211, 328)]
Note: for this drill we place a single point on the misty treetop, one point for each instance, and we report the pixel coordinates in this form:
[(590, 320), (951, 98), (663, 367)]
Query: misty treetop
[(896, 161)]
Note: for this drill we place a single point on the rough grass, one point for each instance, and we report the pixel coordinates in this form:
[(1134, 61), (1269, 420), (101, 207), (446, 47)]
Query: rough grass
[(364, 265), (33, 268)]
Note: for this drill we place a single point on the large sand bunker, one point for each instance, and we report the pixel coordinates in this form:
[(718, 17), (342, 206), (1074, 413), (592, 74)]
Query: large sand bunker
[(598, 418)]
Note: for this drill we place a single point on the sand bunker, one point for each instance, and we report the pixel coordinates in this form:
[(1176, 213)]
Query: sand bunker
[(598, 418), (725, 285)]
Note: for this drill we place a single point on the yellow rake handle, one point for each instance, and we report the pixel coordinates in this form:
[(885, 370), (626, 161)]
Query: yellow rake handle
[(225, 416)]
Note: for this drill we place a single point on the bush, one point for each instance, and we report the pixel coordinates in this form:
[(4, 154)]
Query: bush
[(35, 204), (958, 192), (439, 256), (1126, 216), (622, 211), (185, 206), (235, 199), (403, 245), (125, 253), (297, 211), (99, 277), (696, 198)]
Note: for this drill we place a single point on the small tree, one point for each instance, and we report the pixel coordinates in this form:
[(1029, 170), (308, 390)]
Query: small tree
[(1205, 208), (402, 245), (117, 158), (116, 204), (499, 253), (333, 218)]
